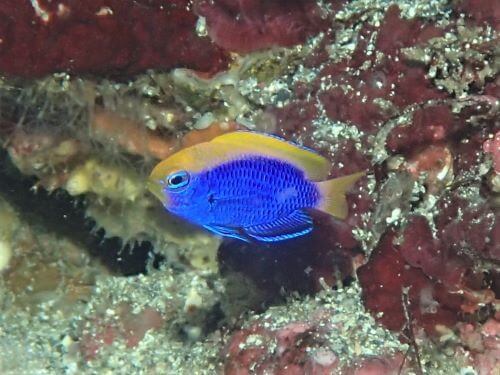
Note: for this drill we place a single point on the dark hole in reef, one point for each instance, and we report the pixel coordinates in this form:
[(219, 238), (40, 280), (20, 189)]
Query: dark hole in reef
[(492, 280), (64, 215), (292, 266), (481, 315)]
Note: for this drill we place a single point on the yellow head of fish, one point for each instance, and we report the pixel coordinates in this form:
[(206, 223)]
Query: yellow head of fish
[(177, 168)]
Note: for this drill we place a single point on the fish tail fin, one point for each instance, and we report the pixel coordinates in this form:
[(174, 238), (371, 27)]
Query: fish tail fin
[(333, 192)]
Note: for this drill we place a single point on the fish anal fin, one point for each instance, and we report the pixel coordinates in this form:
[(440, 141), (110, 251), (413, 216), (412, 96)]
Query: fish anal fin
[(227, 232), (315, 166), (297, 224), (333, 193)]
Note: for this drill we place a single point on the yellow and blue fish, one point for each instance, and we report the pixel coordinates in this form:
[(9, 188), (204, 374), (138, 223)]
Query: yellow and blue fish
[(250, 186)]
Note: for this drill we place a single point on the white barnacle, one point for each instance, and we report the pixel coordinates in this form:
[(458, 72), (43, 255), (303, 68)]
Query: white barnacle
[(5, 254)]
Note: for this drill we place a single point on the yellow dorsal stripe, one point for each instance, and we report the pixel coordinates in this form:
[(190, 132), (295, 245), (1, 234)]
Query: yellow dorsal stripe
[(230, 146), (315, 166)]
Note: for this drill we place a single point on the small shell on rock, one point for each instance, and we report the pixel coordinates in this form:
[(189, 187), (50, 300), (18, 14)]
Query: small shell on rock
[(5, 254)]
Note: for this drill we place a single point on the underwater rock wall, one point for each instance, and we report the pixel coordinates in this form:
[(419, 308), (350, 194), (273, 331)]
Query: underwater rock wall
[(114, 37), (93, 94)]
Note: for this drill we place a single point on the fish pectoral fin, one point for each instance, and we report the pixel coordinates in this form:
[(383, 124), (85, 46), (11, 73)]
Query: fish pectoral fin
[(227, 232), (298, 223)]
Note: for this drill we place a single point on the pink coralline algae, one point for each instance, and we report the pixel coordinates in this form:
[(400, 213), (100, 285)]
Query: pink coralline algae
[(470, 231), (429, 125), (436, 269), (391, 78), (484, 345), (249, 25), (435, 266), (289, 357), (386, 276), (436, 162), (128, 327), (492, 146), (350, 93), (103, 37), (300, 347), (480, 11), (440, 141)]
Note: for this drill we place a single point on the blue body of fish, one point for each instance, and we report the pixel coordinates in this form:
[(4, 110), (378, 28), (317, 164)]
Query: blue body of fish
[(255, 197), (250, 186)]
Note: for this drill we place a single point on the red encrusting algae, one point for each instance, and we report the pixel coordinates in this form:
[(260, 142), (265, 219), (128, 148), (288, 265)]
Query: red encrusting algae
[(113, 37), (251, 25)]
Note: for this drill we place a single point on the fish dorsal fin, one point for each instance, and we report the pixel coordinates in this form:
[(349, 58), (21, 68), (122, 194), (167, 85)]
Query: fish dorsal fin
[(315, 166)]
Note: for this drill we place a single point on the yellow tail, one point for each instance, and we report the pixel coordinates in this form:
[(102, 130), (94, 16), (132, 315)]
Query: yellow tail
[(333, 194)]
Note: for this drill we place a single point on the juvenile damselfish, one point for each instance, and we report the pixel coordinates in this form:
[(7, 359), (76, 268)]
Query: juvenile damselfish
[(250, 186)]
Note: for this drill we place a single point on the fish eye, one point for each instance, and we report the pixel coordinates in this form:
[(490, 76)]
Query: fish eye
[(178, 179)]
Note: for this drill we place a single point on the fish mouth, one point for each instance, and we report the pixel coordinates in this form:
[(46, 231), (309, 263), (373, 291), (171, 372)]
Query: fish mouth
[(156, 187)]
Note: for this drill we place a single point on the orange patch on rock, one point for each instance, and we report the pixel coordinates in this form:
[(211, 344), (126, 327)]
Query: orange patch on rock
[(136, 139), (130, 135), (437, 162)]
